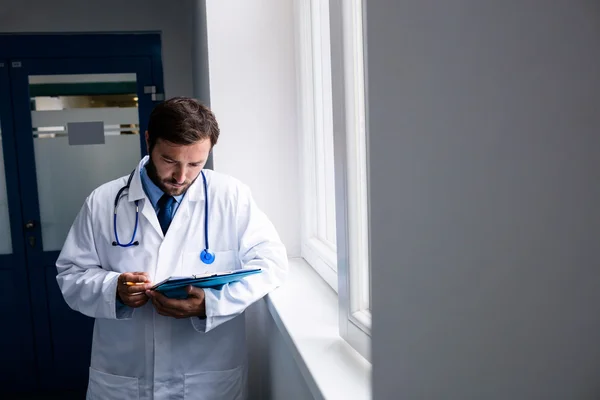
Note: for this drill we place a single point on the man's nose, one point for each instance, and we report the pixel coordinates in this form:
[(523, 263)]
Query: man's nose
[(179, 175)]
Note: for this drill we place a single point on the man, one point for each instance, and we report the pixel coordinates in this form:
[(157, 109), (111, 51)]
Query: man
[(146, 345)]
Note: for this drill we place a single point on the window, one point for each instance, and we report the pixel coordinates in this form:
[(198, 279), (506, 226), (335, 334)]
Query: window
[(316, 125), (335, 238)]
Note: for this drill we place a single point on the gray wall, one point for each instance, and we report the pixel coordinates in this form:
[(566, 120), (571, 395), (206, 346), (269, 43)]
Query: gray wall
[(200, 73), (484, 153), (274, 374), (172, 18), (199, 39)]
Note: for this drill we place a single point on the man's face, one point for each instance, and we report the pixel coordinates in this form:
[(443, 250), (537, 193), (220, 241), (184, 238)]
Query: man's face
[(173, 167)]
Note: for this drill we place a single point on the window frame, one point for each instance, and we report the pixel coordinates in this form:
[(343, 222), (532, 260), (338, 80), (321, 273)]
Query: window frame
[(350, 155), (315, 249), (345, 265)]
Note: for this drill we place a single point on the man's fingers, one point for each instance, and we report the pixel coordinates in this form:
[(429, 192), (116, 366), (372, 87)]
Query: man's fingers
[(157, 304), (168, 311), (176, 304), (192, 291), (167, 307), (134, 301), (161, 299), (163, 311), (127, 293), (138, 289), (134, 278), (134, 296), (195, 292), (173, 304), (139, 303)]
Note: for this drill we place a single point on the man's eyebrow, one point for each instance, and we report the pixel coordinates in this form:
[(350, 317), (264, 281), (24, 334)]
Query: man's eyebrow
[(166, 157)]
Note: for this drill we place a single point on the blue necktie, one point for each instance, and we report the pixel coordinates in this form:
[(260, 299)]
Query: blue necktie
[(165, 211)]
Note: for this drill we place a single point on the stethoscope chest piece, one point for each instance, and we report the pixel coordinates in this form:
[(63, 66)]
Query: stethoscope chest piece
[(207, 257)]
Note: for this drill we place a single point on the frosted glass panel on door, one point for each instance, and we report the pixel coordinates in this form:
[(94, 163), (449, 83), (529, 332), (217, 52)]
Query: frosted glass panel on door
[(5, 233), (68, 173)]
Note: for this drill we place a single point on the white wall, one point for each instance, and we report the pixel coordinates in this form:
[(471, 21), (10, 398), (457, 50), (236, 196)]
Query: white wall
[(484, 148), (252, 87), (172, 18), (253, 94)]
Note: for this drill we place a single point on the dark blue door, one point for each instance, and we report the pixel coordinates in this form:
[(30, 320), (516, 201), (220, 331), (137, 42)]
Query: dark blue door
[(77, 124), (17, 369)]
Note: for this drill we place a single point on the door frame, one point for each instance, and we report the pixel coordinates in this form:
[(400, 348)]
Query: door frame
[(19, 51), (17, 259), (86, 45)]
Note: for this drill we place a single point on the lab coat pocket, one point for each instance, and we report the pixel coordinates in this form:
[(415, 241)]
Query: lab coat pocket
[(224, 261), (103, 386), (215, 385)]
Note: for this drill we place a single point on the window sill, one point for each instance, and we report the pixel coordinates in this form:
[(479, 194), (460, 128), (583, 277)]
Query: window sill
[(305, 310)]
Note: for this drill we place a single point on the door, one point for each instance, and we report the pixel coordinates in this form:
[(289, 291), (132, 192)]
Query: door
[(79, 123), (17, 369)]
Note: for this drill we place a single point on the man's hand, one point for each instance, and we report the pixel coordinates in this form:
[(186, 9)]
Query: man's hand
[(133, 295), (193, 306)]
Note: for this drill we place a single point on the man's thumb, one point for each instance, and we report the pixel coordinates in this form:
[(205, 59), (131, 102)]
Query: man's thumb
[(194, 292)]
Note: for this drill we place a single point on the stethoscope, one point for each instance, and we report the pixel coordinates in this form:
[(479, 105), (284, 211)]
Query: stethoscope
[(206, 256)]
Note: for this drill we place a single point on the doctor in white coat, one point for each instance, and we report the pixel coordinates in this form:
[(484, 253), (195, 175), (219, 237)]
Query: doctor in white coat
[(145, 345)]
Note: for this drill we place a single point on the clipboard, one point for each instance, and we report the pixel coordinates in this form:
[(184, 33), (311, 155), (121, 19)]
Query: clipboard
[(175, 287)]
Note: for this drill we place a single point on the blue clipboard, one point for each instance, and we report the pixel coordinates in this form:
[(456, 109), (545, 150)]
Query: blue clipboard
[(175, 287)]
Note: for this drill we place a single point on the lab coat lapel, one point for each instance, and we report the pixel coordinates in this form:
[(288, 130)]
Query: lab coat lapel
[(181, 217), (150, 214), (136, 192)]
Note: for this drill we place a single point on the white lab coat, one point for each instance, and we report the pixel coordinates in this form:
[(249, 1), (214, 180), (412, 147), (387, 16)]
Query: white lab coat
[(139, 354)]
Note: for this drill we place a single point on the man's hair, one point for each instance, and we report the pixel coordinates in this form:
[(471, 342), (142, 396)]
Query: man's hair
[(182, 120)]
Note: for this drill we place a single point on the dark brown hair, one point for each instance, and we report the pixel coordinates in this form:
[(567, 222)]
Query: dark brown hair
[(182, 120)]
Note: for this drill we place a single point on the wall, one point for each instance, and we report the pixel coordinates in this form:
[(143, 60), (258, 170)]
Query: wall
[(200, 71), (484, 153), (172, 19), (274, 373), (252, 86), (253, 94)]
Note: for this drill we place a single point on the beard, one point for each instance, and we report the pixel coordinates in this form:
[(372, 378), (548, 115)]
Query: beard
[(164, 183)]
